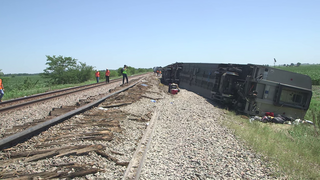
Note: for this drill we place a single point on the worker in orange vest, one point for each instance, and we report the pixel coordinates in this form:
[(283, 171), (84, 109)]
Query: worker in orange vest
[(107, 75), (97, 75), (1, 90)]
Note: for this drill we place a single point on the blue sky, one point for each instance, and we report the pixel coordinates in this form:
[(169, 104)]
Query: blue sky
[(144, 34)]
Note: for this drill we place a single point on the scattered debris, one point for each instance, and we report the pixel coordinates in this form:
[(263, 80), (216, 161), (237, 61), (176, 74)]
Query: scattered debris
[(173, 88), (101, 108), (279, 119)]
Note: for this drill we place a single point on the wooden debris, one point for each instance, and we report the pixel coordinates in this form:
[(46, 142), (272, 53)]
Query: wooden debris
[(62, 110), (22, 176), (81, 151), (115, 129), (82, 173), (28, 153), (9, 149), (60, 165), (105, 132), (155, 98), (116, 105), (61, 137), (42, 156), (115, 152), (105, 155), (122, 163), (103, 138)]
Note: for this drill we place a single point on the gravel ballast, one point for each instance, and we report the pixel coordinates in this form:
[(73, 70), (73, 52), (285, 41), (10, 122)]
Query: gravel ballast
[(190, 143)]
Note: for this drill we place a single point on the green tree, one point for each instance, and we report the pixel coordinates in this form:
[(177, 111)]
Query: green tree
[(66, 70), (84, 72), (113, 73), (130, 71), (119, 71), (1, 73), (298, 64)]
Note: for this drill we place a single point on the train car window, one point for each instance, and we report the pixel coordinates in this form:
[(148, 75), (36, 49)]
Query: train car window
[(297, 98), (293, 97)]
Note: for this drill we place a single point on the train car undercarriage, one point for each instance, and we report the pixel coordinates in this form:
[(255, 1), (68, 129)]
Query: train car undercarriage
[(249, 89)]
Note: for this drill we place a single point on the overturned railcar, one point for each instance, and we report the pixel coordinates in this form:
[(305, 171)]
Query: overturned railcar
[(250, 89)]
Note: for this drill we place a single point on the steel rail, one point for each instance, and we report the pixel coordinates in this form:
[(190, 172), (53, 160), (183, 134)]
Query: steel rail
[(53, 92), (80, 88), (42, 99), (28, 133), (136, 163)]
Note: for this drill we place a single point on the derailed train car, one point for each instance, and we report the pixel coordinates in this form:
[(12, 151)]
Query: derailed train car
[(250, 89)]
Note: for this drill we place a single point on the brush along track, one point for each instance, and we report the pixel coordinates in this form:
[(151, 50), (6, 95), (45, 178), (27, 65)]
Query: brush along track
[(24, 101), (98, 143)]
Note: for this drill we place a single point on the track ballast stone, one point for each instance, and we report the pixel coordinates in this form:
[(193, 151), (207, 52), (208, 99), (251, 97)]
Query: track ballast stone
[(190, 143)]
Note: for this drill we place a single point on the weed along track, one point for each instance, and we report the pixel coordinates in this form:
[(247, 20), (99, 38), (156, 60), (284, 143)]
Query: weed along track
[(98, 142)]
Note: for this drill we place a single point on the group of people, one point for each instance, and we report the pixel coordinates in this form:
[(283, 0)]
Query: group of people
[(123, 72), (158, 72)]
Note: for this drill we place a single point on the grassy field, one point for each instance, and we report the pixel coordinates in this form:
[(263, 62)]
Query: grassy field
[(311, 70), (20, 86), (295, 148), (26, 85)]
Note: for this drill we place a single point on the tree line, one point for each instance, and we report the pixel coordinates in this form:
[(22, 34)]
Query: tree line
[(67, 70)]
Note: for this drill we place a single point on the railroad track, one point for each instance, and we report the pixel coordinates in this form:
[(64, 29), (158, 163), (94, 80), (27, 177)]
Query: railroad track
[(103, 132), (25, 101), (57, 114)]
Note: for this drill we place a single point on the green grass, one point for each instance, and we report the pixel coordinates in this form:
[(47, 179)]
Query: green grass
[(313, 112), (311, 70), (26, 85), (296, 148), (20, 86)]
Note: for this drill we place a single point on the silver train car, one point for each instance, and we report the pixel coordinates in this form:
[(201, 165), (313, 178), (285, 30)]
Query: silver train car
[(249, 89)]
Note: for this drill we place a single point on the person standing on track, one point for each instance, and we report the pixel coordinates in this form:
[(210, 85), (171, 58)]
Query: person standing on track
[(107, 75), (97, 75), (124, 74), (1, 90)]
